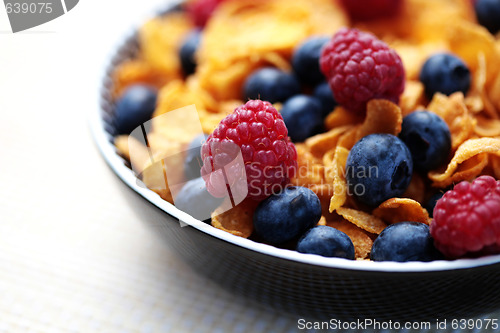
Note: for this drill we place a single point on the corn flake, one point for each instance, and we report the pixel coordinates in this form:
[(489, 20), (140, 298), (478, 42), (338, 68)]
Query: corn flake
[(402, 209), (341, 117), (339, 182), (363, 220), (238, 220), (468, 161), (321, 143), (455, 113), (382, 116)]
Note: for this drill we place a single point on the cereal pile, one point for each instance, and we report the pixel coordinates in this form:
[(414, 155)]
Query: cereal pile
[(208, 54)]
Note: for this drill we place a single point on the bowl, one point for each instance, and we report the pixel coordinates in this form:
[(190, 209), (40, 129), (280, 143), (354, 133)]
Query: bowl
[(301, 284)]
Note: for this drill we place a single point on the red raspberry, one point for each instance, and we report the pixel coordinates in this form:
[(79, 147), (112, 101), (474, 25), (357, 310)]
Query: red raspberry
[(467, 219), (359, 67), (201, 10), (363, 10), (258, 131)]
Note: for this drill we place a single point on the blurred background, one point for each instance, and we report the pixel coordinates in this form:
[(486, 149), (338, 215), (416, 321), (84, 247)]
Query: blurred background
[(73, 255)]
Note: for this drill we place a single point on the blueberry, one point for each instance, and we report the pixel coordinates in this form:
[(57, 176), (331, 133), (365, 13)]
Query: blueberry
[(431, 203), (488, 14), (305, 60), (188, 50), (428, 138), (379, 167), (271, 84), (193, 162), (287, 215), (445, 73), (135, 106), (303, 117), (324, 94), (195, 200), (327, 242), (405, 241)]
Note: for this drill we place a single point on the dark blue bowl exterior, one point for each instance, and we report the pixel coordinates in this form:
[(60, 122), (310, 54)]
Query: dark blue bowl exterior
[(307, 290)]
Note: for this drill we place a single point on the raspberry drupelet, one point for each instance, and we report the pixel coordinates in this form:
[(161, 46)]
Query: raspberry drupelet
[(467, 219), (360, 67), (257, 130)]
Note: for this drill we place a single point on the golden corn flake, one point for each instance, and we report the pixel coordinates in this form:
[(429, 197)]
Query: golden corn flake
[(328, 163), (341, 117), (402, 209), (479, 88), (493, 92), (412, 97), (154, 177), (321, 143), (474, 102), (467, 40), (382, 116), (134, 151), (238, 220), (495, 165), (360, 239), (322, 221), (487, 127), (455, 113), (363, 220), (349, 138), (468, 161), (136, 71), (339, 182), (160, 40), (420, 20)]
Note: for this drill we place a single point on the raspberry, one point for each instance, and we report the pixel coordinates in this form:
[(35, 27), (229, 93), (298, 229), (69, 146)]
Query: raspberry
[(363, 10), (359, 67), (467, 219), (201, 10), (258, 131)]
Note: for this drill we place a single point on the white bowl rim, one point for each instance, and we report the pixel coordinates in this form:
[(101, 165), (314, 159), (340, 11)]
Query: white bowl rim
[(116, 163)]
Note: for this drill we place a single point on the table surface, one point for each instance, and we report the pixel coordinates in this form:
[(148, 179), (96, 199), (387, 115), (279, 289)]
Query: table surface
[(73, 256)]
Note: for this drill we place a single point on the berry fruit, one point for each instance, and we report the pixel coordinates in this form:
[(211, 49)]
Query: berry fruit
[(193, 162), (303, 116), (359, 67), (201, 10), (188, 50), (327, 242), (445, 73), (404, 241), (379, 167), (258, 132), (363, 10), (324, 94), (305, 60), (287, 215), (428, 137), (467, 218), (488, 14), (271, 84), (195, 200), (135, 106)]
